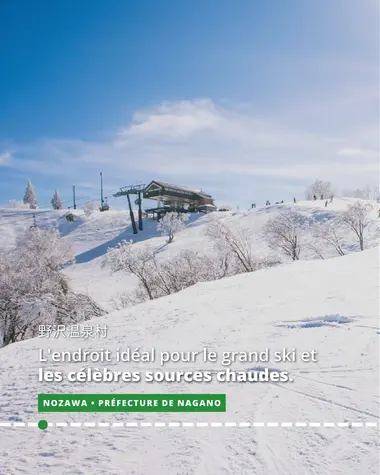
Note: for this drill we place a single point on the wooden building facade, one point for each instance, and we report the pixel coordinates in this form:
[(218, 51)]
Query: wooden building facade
[(177, 196)]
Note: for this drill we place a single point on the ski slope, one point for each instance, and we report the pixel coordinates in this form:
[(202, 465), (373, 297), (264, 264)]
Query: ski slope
[(330, 306), (92, 236)]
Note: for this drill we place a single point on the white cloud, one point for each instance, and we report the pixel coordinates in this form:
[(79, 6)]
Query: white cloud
[(173, 120), (355, 152), (191, 141), (5, 158)]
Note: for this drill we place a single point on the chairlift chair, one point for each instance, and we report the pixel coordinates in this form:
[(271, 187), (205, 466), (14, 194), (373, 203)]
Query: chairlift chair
[(105, 205)]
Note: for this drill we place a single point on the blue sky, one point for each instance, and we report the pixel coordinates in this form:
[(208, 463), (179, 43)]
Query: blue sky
[(249, 100)]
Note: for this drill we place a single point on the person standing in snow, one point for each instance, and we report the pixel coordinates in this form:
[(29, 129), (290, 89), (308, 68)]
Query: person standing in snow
[(326, 203), (294, 200), (315, 198)]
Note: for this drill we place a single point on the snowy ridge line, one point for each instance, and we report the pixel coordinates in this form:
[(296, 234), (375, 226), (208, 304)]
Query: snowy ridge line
[(194, 424)]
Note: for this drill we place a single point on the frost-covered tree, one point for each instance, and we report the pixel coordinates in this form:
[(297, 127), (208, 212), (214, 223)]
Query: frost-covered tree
[(233, 249), (319, 188), (44, 248), (90, 207), (171, 224), (283, 232), (18, 204), (357, 218), (235, 245), (30, 196), (134, 260), (56, 200), (330, 233), (34, 291), (365, 193), (376, 194), (157, 277)]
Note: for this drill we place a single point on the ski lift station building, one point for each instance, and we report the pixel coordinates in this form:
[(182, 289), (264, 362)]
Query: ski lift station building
[(176, 196)]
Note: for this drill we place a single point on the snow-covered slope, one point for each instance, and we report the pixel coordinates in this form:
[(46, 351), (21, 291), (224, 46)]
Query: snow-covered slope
[(92, 236), (330, 306)]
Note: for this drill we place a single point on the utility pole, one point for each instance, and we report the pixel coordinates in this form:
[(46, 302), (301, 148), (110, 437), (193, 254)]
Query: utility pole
[(101, 190), (74, 204)]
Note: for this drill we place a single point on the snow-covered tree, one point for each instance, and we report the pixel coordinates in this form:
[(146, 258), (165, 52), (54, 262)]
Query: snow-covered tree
[(18, 204), (234, 246), (30, 196), (34, 291), (376, 194), (233, 249), (283, 232), (330, 234), (318, 189), (157, 278), (365, 193), (171, 224), (90, 207), (56, 200), (44, 248), (137, 261), (357, 219)]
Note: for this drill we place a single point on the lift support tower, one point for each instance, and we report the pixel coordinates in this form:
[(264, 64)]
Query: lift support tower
[(133, 190)]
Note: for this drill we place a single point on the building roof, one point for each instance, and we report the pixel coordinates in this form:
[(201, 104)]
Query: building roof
[(179, 188)]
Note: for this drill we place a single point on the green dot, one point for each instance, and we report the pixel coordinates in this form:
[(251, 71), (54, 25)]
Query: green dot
[(43, 424)]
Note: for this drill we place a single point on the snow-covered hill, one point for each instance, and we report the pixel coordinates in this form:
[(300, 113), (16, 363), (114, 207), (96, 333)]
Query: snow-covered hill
[(92, 236), (330, 306)]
